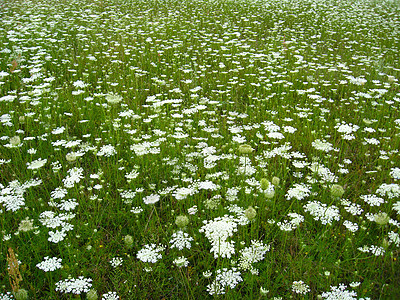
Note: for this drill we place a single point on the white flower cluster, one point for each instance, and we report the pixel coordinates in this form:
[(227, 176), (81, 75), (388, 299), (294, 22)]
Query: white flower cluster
[(252, 254), (245, 167), (299, 191), (224, 278), (50, 264), (218, 231), (76, 286), (150, 253), (320, 212), (116, 262), (183, 193), (353, 227), (390, 190), (323, 172), (67, 205), (322, 145), (353, 208), (151, 199), (146, 148), (36, 164), (74, 176), (292, 224), (375, 250), (59, 193), (110, 296), (299, 287), (51, 220), (239, 212), (347, 130), (12, 196), (181, 240), (395, 173), (6, 296), (372, 199), (181, 262), (394, 238), (339, 293), (107, 151)]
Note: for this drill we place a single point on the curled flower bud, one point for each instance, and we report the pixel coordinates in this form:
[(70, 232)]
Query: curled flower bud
[(181, 221), (128, 240), (21, 294), (275, 181), (250, 213), (92, 295), (71, 157), (337, 191), (245, 149), (264, 183)]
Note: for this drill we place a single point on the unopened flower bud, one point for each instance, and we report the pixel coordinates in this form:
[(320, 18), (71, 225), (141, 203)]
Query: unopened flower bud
[(128, 240), (21, 294), (337, 191), (275, 181), (250, 213), (71, 157), (245, 149), (385, 243), (264, 183), (92, 295), (181, 221)]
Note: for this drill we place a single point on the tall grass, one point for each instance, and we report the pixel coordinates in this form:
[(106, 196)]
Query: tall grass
[(188, 149)]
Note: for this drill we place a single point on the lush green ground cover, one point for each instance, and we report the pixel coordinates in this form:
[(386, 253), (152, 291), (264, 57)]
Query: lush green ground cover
[(199, 149)]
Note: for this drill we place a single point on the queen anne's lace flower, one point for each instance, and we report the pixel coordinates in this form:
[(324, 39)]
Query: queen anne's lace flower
[(300, 287), (181, 240), (225, 278), (218, 231), (50, 264), (339, 293), (299, 192), (110, 296), (389, 190), (76, 286), (150, 253)]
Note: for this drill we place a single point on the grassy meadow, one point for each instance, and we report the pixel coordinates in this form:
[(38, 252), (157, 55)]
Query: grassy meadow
[(227, 149)]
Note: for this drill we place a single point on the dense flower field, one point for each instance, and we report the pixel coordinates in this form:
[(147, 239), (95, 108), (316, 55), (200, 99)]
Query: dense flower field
[(228, 149)]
